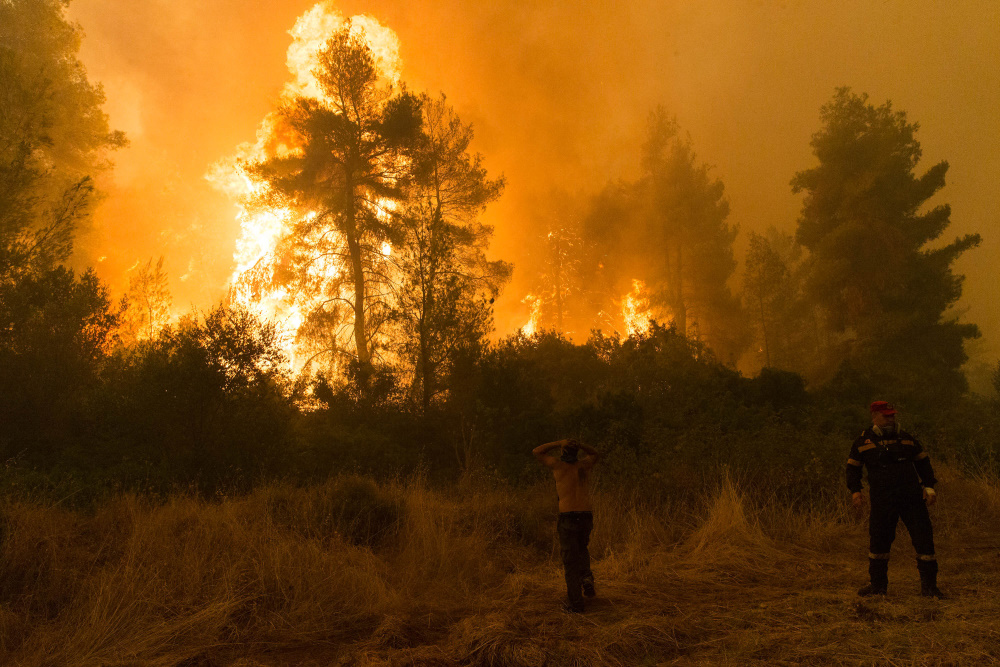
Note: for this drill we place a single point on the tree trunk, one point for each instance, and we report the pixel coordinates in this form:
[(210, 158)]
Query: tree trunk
[(427, 306), (763, 328), (358, 271), (680, 310), (360, 335)]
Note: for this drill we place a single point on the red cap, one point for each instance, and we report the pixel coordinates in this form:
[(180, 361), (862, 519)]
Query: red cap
[(883, 407)]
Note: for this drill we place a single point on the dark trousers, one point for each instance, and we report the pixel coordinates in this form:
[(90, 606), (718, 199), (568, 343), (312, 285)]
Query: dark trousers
[(886, 513), (574, 536)]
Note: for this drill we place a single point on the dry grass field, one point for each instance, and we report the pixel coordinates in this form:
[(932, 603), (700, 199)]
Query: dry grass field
[(358, 573)]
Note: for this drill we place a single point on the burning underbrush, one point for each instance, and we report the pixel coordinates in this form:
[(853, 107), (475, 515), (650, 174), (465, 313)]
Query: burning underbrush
[(353, 571)]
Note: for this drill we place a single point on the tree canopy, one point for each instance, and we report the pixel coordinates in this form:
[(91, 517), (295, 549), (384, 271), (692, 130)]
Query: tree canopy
[(447, 285), (342, 179), (883, 287), (54, 136), (670, 230)]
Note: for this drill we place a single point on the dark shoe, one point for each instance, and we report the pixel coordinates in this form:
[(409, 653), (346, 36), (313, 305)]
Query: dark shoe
[(588, 589), (872, 589), (878, 575), (932, 591), (571, 608), (928, 579)]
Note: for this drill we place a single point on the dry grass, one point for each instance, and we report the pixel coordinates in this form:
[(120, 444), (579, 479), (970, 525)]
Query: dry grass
[(356, 573)]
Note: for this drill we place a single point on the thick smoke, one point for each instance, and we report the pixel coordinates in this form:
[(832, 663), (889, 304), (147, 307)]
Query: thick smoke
[(558, 93)]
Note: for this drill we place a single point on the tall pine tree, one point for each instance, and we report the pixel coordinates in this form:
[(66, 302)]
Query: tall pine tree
[(343, 180), (883, 288)]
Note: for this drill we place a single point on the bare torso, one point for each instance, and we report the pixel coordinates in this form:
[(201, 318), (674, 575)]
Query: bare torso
[(572, 475), (573, 485)]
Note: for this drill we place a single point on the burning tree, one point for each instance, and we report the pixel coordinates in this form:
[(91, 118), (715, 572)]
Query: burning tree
[(338, 170), (669, 230), (361, 204), (557, 295)]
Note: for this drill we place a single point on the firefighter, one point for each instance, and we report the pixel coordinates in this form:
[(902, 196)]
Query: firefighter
[(901, 485)]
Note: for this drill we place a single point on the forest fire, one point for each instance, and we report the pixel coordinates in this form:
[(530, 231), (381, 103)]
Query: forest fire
[(264, 224), (454, 306), (530, 328), (635, 309)]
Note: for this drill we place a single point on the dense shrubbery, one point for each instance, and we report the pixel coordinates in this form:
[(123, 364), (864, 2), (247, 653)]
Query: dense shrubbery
[(658, 404), (204, 404), (209, 404)]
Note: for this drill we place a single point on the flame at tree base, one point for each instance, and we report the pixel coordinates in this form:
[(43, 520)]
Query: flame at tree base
[(636, 312)]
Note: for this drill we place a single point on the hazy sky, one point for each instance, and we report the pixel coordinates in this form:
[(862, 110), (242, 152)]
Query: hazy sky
[(558, 93)]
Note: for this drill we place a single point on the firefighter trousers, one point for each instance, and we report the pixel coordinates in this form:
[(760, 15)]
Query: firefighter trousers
[(885, 515)]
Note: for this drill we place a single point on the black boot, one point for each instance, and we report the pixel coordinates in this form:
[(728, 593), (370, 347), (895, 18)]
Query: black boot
[(928, 579), (878, 572)]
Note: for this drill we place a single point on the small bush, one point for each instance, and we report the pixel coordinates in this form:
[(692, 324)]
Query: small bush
[(352, 507)]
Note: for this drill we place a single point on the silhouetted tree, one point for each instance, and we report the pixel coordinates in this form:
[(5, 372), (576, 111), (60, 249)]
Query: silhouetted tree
[(686, 212), (205, 398), (669, 229), (609, 233), (883, 292), (55, 327), (444, 297), (55, 330), (343, 179), (146, 306), (554, 262), (766, 290), (53, 136)]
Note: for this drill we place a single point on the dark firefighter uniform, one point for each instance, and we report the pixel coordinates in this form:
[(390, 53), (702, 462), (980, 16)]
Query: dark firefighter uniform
[(898, 471)]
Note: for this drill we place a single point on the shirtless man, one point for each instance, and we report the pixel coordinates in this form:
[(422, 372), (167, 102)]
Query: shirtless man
[(576, 518)]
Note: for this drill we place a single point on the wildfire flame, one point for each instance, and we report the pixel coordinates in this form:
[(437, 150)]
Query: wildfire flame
[(315, 27), (262, 230), (635, 309), (530, 327)]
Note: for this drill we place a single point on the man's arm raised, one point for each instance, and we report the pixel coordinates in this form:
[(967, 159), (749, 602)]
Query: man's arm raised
[(541, 452), (593, 456)]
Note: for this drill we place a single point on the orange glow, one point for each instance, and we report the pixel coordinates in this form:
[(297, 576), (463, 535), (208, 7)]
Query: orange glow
[(530, 328), (635, 309), (531, 78), (261, 230), (315, 27)]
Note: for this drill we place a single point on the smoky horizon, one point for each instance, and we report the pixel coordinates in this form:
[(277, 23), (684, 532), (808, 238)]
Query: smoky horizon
[(559, 100)]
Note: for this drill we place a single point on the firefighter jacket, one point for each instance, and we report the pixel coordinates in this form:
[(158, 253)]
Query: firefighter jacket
[(897, 465)]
